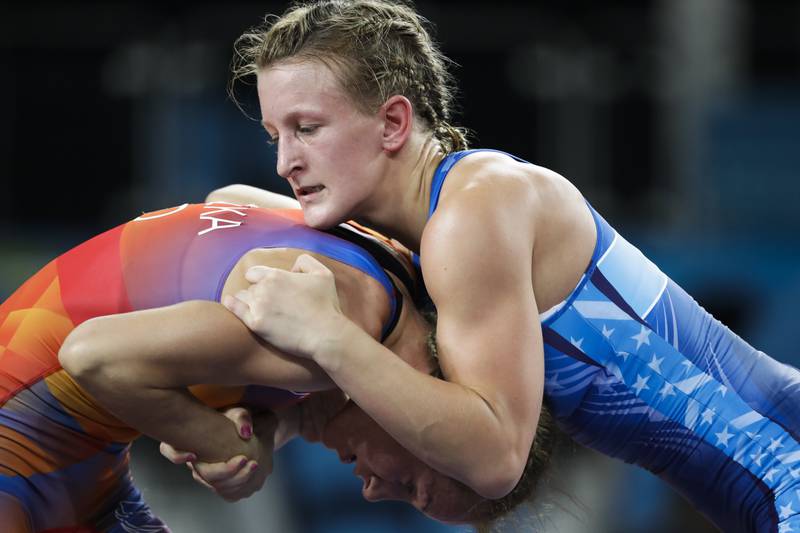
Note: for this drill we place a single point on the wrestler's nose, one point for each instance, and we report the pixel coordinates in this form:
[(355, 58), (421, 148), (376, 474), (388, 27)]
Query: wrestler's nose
[(289, 162), (380, 489)]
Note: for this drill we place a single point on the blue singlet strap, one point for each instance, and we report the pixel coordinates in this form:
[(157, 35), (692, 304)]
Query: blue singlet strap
[(444, 168)]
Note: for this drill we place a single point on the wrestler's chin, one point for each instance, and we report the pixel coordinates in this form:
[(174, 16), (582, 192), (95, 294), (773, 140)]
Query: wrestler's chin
[(321, 212)]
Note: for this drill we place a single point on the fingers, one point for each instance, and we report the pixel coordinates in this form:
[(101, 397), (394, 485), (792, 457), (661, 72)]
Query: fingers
[(245, 297), (220, 474), (233, 480), (309, 265), (256, 273), (198, 478), (236, 306), (304, 263), (242, 420), (175, 456)]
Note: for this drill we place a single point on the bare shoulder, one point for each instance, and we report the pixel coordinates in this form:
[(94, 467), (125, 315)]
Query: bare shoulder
[(485, 193), (495, 183), (508, 220)]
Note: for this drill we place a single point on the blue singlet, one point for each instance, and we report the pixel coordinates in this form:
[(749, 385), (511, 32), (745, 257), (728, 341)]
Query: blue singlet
[(636, 369)]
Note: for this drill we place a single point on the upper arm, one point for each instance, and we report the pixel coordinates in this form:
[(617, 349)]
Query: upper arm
[(184, 344), (476, 258)]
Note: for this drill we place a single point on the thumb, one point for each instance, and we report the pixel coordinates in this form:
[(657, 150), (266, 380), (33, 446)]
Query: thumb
[(176, 456), (242, 419), (307, 264)]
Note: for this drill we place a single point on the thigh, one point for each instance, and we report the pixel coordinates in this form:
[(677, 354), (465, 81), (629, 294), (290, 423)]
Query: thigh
[(131, 513), (14, 517)]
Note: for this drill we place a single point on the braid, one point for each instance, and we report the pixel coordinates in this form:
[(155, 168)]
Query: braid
[(421, 70)]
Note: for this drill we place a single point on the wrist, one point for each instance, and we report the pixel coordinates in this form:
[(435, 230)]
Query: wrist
[(332, 350)]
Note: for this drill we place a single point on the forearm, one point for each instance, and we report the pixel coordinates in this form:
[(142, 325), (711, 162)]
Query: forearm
[(169, 415), (138, 366), (187, 344), (449, 426)]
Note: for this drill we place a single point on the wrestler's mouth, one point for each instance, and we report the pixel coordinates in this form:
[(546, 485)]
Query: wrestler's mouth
[(367, 483), (308, 191)]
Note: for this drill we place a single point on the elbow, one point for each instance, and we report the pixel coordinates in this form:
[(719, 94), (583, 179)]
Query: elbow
[(73, 355), (80, 357), (500, 475), (224, 194)]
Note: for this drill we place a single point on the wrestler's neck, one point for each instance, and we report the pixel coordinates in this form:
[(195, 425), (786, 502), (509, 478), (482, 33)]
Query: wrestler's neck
[(399, 206)]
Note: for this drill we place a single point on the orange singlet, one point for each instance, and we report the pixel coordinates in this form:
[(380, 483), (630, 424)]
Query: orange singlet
[(62, 456)]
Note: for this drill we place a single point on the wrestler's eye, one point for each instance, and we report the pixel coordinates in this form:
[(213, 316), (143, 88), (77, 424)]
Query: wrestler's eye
[(306, 129)]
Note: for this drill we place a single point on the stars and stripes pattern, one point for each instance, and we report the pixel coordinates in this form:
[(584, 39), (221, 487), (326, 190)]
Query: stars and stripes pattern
[(638, 370)]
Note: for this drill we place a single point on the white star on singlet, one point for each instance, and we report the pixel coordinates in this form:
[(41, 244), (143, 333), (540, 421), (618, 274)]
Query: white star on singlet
[(774, 444), (771, 474), (757, 457), (786, 511), (667, 390), (655, 363), (723, 437), (641, 383), (552, 383), (643, 337)]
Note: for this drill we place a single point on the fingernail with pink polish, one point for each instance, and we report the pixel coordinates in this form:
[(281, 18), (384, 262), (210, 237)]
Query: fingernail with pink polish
[(253, 467), (247, 431), (242, 463)]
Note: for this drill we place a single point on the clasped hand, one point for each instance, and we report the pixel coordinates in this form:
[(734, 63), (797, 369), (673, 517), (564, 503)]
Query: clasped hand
[(296, 311), (240, 476)]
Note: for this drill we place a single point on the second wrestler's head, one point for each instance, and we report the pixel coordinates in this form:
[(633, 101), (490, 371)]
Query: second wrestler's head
[(390, 472)]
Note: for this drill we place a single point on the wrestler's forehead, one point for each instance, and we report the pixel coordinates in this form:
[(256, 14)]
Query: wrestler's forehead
[(297, 88)]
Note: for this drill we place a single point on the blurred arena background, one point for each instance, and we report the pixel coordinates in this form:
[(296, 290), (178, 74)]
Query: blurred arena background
[(678, 119)]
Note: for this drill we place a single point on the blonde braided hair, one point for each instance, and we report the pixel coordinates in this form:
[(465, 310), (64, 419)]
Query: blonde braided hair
[(376, 49)]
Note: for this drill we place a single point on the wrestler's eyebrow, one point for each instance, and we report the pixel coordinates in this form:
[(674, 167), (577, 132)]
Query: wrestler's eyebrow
[(266, 125), (295, 115)]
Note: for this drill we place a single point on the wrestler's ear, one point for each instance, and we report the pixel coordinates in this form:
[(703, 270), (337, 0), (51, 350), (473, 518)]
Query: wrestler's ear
[(397, 114)]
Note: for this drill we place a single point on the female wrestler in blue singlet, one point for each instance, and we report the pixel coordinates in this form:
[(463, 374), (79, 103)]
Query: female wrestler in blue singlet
[(636, 369), (633, 366)]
